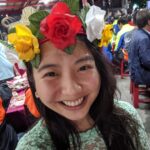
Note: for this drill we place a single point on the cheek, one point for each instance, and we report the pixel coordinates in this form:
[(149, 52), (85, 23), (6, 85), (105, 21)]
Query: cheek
[(44, 88), (92, 80), (95, 83), (45, 91)]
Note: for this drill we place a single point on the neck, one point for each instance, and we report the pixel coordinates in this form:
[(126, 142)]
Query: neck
[(83, 125)]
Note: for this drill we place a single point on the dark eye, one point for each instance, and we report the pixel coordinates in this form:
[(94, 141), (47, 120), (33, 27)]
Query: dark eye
[(50, 74), (83, 68)]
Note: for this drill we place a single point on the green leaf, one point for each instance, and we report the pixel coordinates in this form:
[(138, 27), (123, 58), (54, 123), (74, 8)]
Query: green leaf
[(69, 50), (36, 17), (35, 20), (12, 30), (10, 46), (80, 38), (36, 61), (96, 42), (36, 32), (32, 28), (73, 5), (82, 15)]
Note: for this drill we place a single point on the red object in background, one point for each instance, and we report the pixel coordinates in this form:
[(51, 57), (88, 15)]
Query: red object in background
[(131, 23), (136, 90), (10, 7), (14, 7), (29, 102), (19, 71), (122, 64), (2, 111), (122, 71), (113, 48)]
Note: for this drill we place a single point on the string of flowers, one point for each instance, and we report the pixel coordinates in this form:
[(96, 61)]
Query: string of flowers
[(61, 26)]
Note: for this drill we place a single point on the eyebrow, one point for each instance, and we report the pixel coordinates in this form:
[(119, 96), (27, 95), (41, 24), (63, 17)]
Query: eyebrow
[(46, 66), (85, 58)]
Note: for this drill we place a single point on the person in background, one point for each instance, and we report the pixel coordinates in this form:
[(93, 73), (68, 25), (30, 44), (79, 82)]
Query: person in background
[(124, 28), (8, 136), (139, 50), (116, 28), (73, 86), (119, 42), (115, 31), (6, 68), (130, 20)]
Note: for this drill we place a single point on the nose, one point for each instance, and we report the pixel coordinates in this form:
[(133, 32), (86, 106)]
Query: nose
[(70, 86)]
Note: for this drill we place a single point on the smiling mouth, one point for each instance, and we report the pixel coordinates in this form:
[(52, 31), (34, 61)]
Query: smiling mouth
[(75, 103)]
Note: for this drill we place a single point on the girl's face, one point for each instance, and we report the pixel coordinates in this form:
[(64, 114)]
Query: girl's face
[(67, 84)]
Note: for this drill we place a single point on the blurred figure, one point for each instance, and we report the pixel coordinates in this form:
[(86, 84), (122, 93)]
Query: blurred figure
[(139, 51), (119, 43), (124, 28), (115, 25), (130, 20), (8, 136)]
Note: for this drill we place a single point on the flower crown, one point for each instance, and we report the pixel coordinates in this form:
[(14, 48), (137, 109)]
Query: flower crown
[(60, 26)]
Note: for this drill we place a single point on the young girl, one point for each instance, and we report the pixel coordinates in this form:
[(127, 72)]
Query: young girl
[(73, 87)]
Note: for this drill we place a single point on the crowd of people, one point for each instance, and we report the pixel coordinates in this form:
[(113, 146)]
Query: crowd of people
[(68, 54), (129, 41)]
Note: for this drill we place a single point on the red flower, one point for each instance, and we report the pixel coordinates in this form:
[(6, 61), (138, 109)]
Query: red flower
[(60, 27)]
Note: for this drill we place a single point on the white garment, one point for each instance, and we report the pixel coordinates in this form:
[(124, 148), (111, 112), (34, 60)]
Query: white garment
[(6, 68)]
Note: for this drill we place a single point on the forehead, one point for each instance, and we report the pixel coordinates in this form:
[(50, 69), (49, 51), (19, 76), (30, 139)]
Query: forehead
[(49, 52)]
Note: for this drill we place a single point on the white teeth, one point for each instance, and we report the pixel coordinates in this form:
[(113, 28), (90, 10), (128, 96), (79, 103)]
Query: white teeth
[(73, 103)]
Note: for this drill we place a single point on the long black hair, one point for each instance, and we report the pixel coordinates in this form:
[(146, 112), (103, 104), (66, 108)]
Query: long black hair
[(111, 121)]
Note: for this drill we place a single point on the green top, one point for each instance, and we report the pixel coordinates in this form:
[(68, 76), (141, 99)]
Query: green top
[(38, 138)]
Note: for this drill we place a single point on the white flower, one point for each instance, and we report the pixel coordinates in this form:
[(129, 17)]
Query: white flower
[(94, 23)]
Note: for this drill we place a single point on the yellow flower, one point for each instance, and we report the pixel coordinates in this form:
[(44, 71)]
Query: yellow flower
[(106, 35), (25, 43)]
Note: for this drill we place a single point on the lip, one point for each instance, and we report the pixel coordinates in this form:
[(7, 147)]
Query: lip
[(76, 107)]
